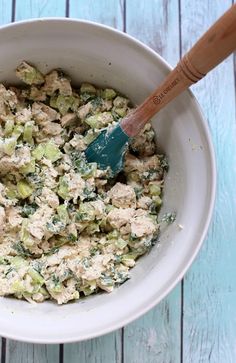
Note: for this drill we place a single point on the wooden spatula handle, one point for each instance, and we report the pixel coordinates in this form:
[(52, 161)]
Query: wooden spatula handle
[(210, 50)]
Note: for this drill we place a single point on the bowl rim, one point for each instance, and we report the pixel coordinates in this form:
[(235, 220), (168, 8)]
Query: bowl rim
[(212, 170)]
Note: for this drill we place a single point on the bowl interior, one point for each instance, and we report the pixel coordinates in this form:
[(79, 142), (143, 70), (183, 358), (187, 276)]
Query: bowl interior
[(105, 57)]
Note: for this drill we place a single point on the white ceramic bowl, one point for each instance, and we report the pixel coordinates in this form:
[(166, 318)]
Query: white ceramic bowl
[(101, 55)]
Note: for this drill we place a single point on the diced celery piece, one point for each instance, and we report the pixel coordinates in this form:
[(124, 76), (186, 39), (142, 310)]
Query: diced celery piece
[(53, 101), (99, 120), (38, 152), (87, 88), (121, 111), (90, 136), (44, 292), (9, 145), (108, 94), (75, 295), (157, 200), (86, 290), (17, 131), (29, 242), (121, 243), (18, 287), (9, 125), (58, 288), (63, 190), (29, 74), (52, 152), (36, 277), (76, 102), (113, 235), (18, 262), (28, 168), (86, 212), (24, 189), (90, 288), (62, 213), (129, 259), (64, 103), (120, 102), (28, 133), (25, 236), (11, 192), (154, 189), (109, 207), (92, 228), (93, 121)]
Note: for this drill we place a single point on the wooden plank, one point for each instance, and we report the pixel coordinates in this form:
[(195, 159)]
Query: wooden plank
[(109, 12), (31, 353), (16, 351), (106, 349), (155, 23), (209, 327), (156, 337), (5, 11), (234, 59), (39, 8)]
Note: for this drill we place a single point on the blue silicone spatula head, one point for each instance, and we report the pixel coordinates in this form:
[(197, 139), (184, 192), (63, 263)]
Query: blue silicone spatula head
[(108, 149)]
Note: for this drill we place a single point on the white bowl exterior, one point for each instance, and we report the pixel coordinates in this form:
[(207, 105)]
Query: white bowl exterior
[(90, 52)]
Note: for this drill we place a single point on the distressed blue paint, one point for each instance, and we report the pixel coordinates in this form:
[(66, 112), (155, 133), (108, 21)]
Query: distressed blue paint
[(5, 11), (26, 9), (210, 285), (155, 23), (17, 352), (108, 12), (106, 349)]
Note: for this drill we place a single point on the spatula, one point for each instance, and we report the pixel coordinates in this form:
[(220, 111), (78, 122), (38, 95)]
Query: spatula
[(211, 49)]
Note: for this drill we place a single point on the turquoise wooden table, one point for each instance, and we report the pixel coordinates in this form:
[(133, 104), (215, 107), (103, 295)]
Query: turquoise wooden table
[(196, 323)]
